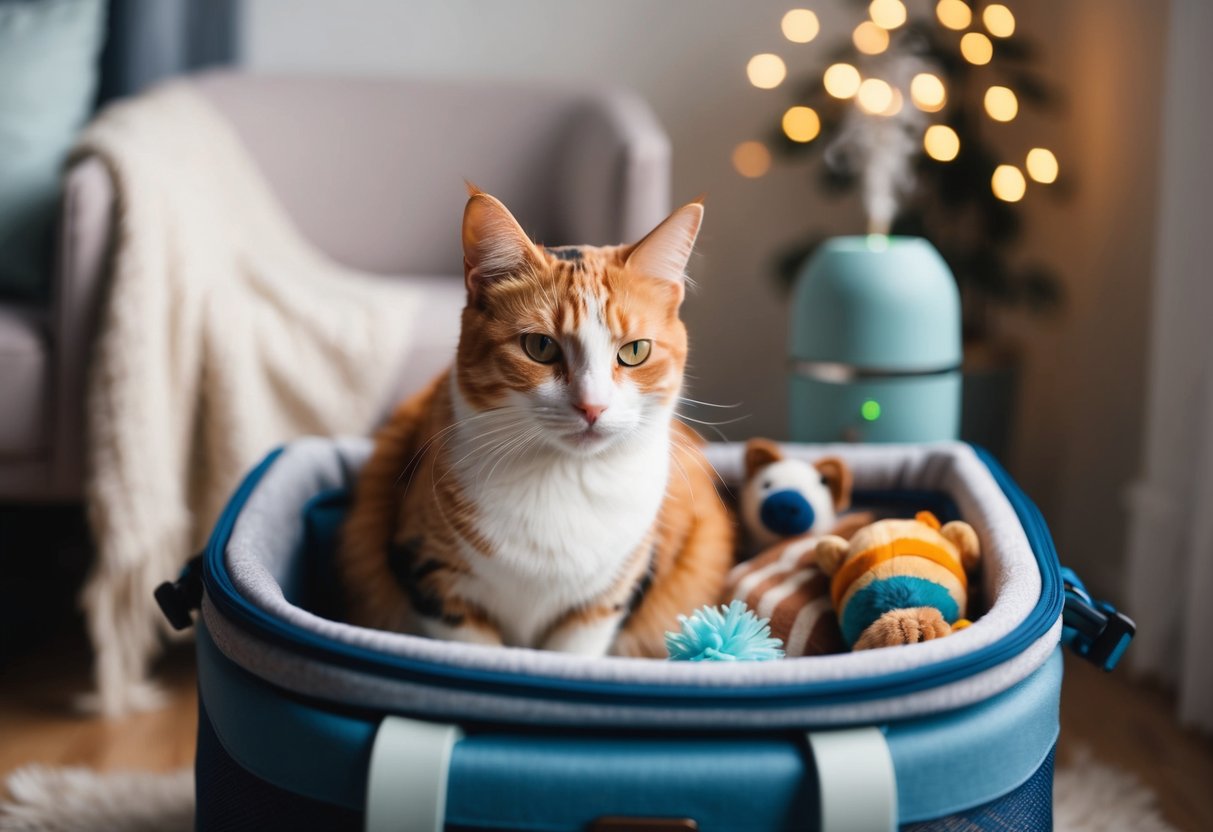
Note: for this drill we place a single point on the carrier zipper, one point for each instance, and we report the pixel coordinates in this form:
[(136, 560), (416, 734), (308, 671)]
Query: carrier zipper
[(222, 593)]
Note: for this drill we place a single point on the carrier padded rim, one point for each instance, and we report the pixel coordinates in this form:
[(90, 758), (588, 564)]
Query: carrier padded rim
[(268, 534)]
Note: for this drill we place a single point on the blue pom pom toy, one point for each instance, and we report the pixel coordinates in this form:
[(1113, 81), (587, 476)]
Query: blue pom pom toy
[(723, 634)]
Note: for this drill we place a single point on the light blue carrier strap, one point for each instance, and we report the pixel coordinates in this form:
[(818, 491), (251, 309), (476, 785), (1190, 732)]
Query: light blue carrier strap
[(407, 781), (855, 780)]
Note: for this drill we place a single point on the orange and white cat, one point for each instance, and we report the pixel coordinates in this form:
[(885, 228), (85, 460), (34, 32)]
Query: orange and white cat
[(540, 493)]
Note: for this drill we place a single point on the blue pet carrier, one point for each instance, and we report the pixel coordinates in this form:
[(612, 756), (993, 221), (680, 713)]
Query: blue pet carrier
[(308, 723)]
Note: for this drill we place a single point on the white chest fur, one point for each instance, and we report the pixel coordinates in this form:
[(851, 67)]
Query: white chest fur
[(561, 527)]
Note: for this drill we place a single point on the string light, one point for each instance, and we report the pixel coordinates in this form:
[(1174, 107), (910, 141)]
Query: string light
[(870, 39), (800, 26), (976, 48), (875, 96), (841, 80), (801, 124), (1008, 183), (928, 93), (1042, 165), (766, 71), (751, 159), (999, 21), (941, 143), (954, 14), (887, 14), (1001, 104)]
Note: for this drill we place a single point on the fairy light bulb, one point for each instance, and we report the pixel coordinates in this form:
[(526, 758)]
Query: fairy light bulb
[(751, 159), (801, 124), (1001, 104), (875, 96), (1008, 183), (941, 143), (955, 14), (998, 20), (870, 39), (928, 93), (841, 80), (887, 14), (800, 25), (1042, 165), (766, 71), (976, 48)]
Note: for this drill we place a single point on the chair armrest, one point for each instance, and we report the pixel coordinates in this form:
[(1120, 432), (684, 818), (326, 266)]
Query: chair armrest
[(615, 175), (77, 290)]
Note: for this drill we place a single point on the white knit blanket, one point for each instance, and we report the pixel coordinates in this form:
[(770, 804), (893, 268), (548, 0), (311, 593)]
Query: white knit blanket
[(224, 334)]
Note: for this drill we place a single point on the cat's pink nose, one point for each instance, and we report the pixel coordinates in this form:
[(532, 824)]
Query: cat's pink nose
[(591, 412)]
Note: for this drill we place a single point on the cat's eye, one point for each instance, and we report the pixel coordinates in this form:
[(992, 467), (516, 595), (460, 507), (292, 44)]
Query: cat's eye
[(540, 347), (635, 353)]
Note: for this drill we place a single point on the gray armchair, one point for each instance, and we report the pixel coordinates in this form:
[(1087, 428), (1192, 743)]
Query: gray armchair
[(371, 172)]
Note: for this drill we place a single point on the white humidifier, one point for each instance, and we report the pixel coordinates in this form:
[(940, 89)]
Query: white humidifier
[(875, 343)]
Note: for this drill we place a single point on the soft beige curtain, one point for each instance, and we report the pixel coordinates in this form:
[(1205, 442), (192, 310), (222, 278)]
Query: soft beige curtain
[(1170, 574)]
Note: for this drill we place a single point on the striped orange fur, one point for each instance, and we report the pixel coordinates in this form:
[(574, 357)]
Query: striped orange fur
[(539, 493)]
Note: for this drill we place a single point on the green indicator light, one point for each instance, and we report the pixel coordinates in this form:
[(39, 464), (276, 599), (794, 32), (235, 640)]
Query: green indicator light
[(870, 410)]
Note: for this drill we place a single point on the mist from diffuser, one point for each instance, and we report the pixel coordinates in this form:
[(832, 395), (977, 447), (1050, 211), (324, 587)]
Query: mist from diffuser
[(880, 137), (875, 343)]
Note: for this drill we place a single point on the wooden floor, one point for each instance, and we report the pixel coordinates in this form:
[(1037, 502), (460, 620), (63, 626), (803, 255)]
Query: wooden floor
[(38, 723), (1131, 726), (1123, 724)]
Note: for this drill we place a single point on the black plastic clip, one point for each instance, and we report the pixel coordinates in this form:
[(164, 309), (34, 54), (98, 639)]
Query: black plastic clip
[(1095, 630), (178, 599)]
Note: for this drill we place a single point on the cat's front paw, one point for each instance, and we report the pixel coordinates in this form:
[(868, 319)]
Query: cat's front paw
[(584, 638), (467, 632)]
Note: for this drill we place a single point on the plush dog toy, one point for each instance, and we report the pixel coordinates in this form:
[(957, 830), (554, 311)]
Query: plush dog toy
[(784, 503), (900, 581), (785, 498)]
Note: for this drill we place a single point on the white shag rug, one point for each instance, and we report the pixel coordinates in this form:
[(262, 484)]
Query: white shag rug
[(1088, 797)]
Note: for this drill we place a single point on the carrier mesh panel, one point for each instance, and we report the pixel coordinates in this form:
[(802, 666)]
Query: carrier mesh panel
[(230, 798), (1030, 807)]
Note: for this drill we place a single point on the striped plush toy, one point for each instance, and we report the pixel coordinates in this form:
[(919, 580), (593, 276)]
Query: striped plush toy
[(785, 505), (900, 581)]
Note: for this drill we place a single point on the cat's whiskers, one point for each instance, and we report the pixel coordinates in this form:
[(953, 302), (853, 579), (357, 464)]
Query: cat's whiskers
[(713, 426), (687, 400), (519, 442), (482, 440), (685, 478), (416, 458), (435, 482), (705, 466)]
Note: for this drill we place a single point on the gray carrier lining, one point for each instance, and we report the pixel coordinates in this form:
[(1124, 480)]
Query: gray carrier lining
[(268, 537)]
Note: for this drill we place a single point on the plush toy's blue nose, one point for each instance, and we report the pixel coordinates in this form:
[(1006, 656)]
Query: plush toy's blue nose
[(787, 513)]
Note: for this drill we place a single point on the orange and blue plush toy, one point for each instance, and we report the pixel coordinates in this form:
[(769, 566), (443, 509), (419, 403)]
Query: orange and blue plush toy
[(900, 581)]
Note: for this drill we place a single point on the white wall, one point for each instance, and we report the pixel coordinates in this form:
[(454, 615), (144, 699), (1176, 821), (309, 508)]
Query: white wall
[(1170, 576), (1080, 417)]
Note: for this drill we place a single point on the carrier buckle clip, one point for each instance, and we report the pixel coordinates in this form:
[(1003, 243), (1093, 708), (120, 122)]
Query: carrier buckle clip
[(1095, 630), (178, 599)]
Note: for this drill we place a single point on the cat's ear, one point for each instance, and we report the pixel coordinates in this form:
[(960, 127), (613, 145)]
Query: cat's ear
[(494, 244), (665, 251)]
